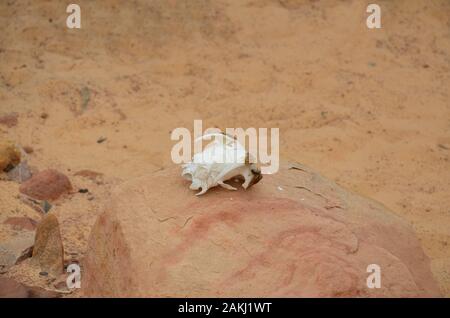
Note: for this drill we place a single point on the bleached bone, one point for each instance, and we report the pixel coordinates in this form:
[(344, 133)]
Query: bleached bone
[(221, 160)]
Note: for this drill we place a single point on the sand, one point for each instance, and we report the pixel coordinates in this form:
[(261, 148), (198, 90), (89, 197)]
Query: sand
[(369, 109)]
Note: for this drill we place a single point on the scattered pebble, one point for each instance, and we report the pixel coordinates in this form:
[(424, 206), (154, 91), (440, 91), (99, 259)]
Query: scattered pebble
[(46, 185), (83, 190), (28, 149), (46, 206), (101, 139)]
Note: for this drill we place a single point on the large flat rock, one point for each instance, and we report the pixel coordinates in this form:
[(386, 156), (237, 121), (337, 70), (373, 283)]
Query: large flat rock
[(293, 234)]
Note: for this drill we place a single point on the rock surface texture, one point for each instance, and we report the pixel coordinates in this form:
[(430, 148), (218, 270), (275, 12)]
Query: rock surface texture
[(12, 289), (15, 250), (295, 234)]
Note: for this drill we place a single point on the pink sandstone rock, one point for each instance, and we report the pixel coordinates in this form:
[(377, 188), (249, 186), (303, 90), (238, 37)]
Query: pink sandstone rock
[(294, 234), (46, 185), (9, 288)]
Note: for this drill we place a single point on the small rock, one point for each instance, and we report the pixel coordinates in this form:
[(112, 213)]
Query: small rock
[(9, 156), (9, 120), (22, 223), (16, 250), (20, 173), (28, 149), (46, 185), (101, 139), (48, 251), (43, 274), (44, 115), (46, 206)]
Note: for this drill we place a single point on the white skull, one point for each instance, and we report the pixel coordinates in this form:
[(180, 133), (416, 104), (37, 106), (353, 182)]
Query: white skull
[(221, 160)]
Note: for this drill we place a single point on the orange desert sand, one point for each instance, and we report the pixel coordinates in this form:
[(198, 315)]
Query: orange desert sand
[(368, 109)]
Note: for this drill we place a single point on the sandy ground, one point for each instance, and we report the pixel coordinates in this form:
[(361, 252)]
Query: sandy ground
[(367, 108)]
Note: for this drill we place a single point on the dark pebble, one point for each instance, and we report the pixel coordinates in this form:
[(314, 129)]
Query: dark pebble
[(101, 139)]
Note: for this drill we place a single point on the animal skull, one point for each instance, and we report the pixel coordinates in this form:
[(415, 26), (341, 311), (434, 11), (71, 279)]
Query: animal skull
[(222, 160)]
